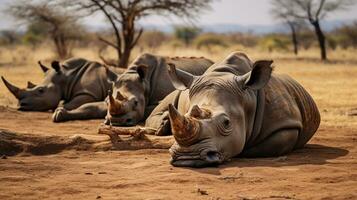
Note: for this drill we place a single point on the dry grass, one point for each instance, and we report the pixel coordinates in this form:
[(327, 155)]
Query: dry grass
[(332, 84)]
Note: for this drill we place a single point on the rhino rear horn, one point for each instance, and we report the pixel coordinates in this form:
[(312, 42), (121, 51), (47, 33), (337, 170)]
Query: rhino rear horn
[(12, 88), (181, 80), (44, 68), (30, 85)]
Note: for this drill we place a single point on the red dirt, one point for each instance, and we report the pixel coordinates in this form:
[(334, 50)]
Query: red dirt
[(325, 169)]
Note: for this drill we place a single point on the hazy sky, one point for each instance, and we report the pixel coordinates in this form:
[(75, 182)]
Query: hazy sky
[(243, 12)]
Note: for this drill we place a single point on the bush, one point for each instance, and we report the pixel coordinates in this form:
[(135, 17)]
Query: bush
[(209, 40), (346, 35), (275, 42), (152, 39), (186, 33)]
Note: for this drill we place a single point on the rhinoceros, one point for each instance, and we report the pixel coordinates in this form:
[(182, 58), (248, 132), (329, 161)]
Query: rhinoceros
[(81, 84), (236, 107), (146, 82)]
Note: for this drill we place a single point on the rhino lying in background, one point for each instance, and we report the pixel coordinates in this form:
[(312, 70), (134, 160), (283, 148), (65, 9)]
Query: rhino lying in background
[(235, 108), (82, 85), (146, 82)]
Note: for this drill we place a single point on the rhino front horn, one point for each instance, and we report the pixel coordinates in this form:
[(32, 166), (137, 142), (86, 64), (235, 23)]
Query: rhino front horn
[(44, 68), (185, 130), (115, 106), (12, 88)]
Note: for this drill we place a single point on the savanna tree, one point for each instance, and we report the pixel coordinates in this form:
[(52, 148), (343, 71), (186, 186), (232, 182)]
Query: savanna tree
[(292, 22), (313, 11), (61, 26), (123, 16)]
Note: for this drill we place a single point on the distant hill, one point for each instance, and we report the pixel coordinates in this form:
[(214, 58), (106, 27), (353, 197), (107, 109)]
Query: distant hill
[(256, 29)]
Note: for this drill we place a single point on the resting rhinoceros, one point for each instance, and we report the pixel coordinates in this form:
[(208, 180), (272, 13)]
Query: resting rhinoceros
[(81, 84), (235, 108), (146, 82)]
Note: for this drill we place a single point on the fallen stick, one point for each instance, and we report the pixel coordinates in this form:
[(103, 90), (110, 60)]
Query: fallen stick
[(139, 137)]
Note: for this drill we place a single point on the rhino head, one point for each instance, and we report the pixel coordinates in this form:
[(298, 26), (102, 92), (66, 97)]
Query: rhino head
[(221, 111), (126, 101), (42, 97)]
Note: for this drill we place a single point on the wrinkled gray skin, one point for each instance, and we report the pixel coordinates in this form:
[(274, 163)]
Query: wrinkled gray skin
[(146, 82), (82, 85), (235, 108)]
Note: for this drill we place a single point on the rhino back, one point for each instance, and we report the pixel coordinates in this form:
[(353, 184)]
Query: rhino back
[(193, 65), (161, 84), (87, 78), (287, 106)]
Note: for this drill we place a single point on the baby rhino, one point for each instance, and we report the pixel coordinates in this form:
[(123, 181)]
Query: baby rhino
[(235, 108), (82, 85)]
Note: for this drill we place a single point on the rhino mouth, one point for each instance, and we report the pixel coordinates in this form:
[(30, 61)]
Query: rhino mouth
[(119, 121), (205, 158), (22, 106)]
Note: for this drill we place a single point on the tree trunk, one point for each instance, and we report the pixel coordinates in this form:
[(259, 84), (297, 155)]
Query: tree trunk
[(294, 38), (124, 59), (321, 38)]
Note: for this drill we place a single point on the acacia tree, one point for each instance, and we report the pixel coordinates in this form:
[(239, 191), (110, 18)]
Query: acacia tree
[(124, 14), (61, 26), (313, 11)]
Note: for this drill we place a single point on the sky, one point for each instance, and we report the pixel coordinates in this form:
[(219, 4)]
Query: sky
[(241, 12)]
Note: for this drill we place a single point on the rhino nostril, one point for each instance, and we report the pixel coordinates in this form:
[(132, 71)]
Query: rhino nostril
[(212, 156), (129, 121)]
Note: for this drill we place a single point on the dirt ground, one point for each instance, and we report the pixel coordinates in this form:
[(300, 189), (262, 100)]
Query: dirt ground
[(325, 169), (71, 161)]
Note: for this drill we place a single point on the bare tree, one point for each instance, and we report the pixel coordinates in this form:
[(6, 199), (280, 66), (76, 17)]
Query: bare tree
[(61, 26), (293, 23), (313, 11), (123, 15)]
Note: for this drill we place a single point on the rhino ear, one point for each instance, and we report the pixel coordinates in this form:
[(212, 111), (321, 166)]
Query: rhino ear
[(30, 85), (56, 66), (44, 68), (181, 80), (259, 76), (142, 70)]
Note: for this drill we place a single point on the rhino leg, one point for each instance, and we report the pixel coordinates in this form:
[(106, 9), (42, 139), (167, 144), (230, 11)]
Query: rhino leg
[(159, 117), (78, 101), (277, 144), (159, 121), (94, 110)]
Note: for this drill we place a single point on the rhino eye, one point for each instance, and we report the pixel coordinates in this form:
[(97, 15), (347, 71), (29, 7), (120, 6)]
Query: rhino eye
[(226, 123), (41, 90), (225, 127)]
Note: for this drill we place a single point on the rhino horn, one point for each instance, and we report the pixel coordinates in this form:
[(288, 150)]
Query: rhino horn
[(121, 97), (115, 106), (12, 88), (44, 68), (185, 130), (199, 113), (30, 85)]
